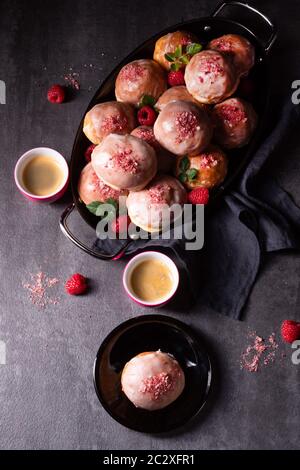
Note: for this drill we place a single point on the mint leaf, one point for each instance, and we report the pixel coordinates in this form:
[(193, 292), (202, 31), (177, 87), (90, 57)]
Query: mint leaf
[(193, 48), (192, 174), (184, 59), (147, 100), (184, 164), (112, 201), (178, 51), (107, 209), (93, 206), (182, 177), (170, 57), (175, 66)]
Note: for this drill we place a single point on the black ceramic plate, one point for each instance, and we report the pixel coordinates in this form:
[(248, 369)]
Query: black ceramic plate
[(150, 333)]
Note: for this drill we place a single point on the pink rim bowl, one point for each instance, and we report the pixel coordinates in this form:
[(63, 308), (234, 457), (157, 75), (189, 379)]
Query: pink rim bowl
[(25, 158), (146, 255)]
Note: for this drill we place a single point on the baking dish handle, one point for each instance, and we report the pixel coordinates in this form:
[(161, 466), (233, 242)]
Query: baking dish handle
[(273, 30), (96, 254)]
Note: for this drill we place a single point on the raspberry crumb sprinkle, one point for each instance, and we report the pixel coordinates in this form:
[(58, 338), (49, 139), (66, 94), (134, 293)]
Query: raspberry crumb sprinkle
[(186, 125), (114, 123), (73, 80), (157, 193), (232, 114), (132, 72), (124, 160), (38, 290), (212, 67), (208, 161), (158, 385), (259, 353)]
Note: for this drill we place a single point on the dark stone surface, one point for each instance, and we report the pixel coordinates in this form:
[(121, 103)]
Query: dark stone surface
[(46, 389)]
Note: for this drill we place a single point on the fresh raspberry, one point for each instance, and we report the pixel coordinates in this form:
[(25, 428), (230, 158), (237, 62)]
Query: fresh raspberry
[(120, 224), (76, 284), (88, 152), (290, 331), (176, 78), (56, 94), (146, 116), (198, 196)]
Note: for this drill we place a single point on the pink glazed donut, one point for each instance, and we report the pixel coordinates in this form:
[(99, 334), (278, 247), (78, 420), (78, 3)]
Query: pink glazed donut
[(235, 121), (91, 188), (238, 48), (183, 127), (106, 118), (124, 162), (210, 77), (138, 78), (152, 380), (149, 209)]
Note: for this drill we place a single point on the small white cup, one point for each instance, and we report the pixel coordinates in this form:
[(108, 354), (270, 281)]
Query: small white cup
[(146, 255), (29, 155)]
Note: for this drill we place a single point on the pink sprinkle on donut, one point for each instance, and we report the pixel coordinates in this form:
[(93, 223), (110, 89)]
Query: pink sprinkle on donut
[(186, 124), (158, 385), (232, 114), (132, 72), (114, 123), (211, 66), (208, 161), (125, 161), (105, 190), (157, 193), (186, 40), (224, 45), (147, 135)]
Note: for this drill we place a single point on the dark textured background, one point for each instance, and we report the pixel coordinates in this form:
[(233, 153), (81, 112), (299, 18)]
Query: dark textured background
[(46, 390)]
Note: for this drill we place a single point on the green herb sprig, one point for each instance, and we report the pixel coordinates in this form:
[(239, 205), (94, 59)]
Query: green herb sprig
[(186, 172), (94, 208), (182, 55)]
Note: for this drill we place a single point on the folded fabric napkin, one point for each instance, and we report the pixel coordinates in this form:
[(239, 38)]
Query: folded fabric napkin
[(255, 217)]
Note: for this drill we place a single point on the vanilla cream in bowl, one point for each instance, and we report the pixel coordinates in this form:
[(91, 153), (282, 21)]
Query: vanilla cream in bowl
[(151, 278), (42, 174)]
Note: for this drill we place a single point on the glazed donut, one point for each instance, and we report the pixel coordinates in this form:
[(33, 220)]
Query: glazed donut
[(175, 93), (139, 78), (149, 208), (124, 162), (168, 44), (238, 48), (210, 165), (210, 77), (91, 188), (165, 159), (107, 118), (235, 121), (152, 380), (182, 127)]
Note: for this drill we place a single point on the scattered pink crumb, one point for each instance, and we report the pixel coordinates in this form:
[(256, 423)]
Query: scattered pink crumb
[(158, 385), (259, 353), (38, 289), (72, 79)]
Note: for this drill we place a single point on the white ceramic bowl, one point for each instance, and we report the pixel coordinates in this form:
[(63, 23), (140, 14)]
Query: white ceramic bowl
[(146, 255), (22, 162)]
